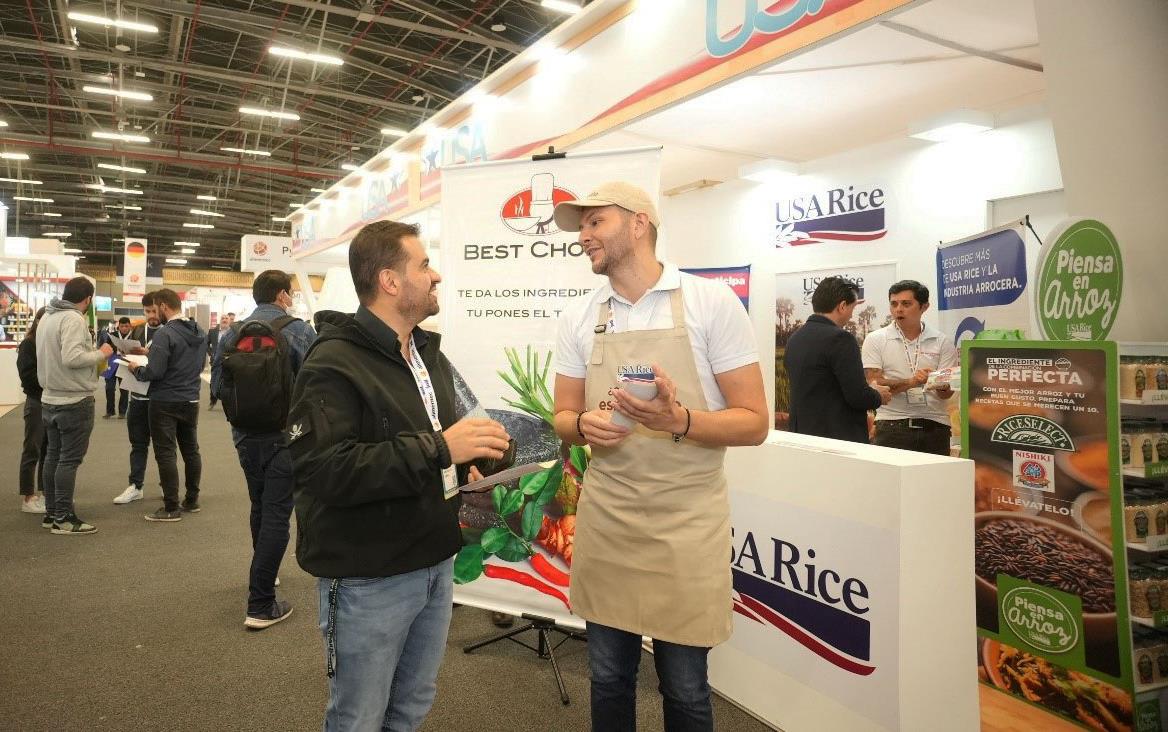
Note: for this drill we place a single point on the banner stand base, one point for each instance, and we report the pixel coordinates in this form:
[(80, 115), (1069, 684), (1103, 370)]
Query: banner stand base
[(543, 627)]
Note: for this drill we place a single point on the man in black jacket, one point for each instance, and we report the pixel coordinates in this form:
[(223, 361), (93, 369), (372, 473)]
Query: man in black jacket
[(829, 396), (176, 359), (378, 453), (138, 411)]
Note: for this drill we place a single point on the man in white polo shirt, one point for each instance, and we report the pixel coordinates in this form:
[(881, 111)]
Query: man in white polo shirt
[(653, 522), (900, 356)]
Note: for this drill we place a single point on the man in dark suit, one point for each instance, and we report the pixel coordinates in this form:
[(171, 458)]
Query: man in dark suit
[(829, 396), (213, 336)]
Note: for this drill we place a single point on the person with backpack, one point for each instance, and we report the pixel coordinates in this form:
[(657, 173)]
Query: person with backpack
[(176, 359), (252, 374)]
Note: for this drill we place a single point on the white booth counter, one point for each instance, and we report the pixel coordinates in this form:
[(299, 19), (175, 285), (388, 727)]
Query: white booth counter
[(10, 392), (853, 588)]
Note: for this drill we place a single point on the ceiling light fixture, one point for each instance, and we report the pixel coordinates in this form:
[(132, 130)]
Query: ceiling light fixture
[(111, 189), (279, 218), (295, 205), (3, 123), (188, 225), (62, 234), (113, 22), (244, 151), (562, 6), (174, 260), (122, 207), (769, 171), (13, 156), (268, 113), (121, 168), (320, 58), (201, 212), (46, 213), (394, 132), (318, 190), (22, 180), (98, 135), (498, 28), (120, 93), (68, 250), (186, 244), (270, 231), (34, 200), (188, 251), (349, 166), (206, 198), (951, 126)]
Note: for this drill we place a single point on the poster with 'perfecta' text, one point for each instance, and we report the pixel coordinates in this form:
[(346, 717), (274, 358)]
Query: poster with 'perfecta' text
[(1050, 555), (507, 273)]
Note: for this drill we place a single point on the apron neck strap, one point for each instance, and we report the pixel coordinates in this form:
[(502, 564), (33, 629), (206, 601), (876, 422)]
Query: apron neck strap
[(677, 304)]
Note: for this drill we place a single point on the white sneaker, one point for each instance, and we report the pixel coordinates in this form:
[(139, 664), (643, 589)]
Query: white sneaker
[(129, 495), (277, 581), (36, 505)]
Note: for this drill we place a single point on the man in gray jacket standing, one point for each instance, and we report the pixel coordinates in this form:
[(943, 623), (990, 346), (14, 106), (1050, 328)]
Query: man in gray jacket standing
[(67, 369)]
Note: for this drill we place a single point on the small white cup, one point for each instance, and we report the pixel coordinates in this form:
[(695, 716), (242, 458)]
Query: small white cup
[(640, 389)]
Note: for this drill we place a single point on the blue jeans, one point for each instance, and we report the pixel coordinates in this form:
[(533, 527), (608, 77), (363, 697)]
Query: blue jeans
[(613, 658), (67, 431), (384, 641), (268, 470)]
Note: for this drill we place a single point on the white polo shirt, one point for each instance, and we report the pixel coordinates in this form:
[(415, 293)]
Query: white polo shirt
[(886, 349), (719, 327)]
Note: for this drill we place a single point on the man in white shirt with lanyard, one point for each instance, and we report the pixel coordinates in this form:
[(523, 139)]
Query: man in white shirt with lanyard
[(653, 522), (900, 356)]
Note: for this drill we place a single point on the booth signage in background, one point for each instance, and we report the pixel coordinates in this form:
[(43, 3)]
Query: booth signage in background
[(982, 283), (134, 268), (736, 278), (821, 605), (793, 292), (508, 272), (258, 253), (1080, 281), (1050, 559), (837, 215)]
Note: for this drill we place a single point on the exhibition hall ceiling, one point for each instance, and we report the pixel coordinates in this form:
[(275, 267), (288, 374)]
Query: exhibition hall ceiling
[(181, 78), (869, 86)]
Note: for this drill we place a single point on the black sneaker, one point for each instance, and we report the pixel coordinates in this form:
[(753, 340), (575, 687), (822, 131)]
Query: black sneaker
[(162, 514), (280, 610), (191, 505), (47, 522), (71, 525)]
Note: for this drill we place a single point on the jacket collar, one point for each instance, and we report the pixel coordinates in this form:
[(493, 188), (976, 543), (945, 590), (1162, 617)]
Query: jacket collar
[(816, 317), (385, 336)]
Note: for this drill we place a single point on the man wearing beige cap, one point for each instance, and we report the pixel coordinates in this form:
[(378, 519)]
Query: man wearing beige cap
[(653, 523)]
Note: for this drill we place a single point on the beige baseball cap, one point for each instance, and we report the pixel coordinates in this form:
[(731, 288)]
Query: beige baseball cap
[(613, 193)]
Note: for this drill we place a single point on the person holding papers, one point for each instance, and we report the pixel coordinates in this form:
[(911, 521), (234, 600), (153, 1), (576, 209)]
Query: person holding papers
[(138, 412), (658, 371), (378, 454)]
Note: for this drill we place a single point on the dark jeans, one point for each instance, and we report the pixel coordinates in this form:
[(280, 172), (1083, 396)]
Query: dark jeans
[(171, 424), (32, 457), (67, 428), (613, 657), (268, 468), (111, 388), (138, 427), (926, 436)]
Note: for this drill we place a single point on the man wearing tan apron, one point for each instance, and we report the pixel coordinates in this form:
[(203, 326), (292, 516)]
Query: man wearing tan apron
[(652, 544)]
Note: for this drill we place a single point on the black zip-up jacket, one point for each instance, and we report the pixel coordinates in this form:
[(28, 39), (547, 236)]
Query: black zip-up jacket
[(367, 461), (26, 366)]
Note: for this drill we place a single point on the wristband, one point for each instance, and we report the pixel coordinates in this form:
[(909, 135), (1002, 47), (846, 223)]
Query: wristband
[(579, 431), (678, 435)]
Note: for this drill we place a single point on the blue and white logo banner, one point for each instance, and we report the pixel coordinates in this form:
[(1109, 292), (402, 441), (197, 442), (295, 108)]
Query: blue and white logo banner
[(982, 283)]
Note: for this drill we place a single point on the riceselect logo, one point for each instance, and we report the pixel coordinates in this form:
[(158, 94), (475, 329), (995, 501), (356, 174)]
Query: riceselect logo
[(1031, 431), (836, 215), (777, 583)]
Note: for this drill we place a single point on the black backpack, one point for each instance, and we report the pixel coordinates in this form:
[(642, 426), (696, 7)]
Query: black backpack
[(256, 383)]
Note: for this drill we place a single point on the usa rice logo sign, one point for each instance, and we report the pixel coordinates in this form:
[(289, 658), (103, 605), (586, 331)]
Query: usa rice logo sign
[(840, 215)]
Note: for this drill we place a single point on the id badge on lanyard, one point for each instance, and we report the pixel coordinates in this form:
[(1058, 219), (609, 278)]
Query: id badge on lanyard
[(915, 396), (430, 399)]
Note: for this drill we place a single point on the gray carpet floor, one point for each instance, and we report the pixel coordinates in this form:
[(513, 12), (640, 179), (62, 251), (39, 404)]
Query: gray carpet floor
[(140, 626)]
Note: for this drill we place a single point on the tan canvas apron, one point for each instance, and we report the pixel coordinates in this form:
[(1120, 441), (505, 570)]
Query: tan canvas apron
[(652, 546)]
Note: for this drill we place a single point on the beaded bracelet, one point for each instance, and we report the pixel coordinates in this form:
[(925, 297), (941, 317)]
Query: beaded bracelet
[(677, 436)]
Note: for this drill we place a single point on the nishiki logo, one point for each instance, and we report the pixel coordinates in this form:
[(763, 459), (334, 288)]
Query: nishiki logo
[(530, 210), (768, 22), (836, 215), (778, 584), (1031, 431)]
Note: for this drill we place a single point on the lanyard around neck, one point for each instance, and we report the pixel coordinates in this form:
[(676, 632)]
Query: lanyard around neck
[(915, 356), (425, 385)]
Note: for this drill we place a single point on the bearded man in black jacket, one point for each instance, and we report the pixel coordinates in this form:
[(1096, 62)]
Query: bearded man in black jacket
[(378, 453)]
